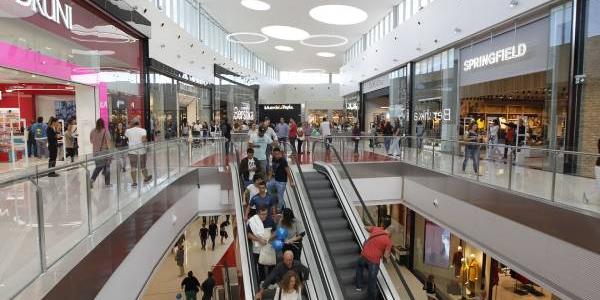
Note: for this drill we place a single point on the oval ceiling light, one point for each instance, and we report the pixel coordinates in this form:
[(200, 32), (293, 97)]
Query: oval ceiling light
[(324, 41), (284, 48), (246, 38), (256, 5), (326, 54), (312, 71), (287, 33), (338, 14)]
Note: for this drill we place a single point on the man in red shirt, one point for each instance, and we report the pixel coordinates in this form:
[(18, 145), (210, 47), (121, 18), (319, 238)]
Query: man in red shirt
[(377, 246), (293, 134)]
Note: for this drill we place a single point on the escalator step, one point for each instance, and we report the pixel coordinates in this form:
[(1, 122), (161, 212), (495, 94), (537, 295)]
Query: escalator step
[(335, 224), (321, 193), (346, 247), (345, 261), (333, 236), (325, 203), (347, 276), (313, 176), (352, 294), (330, 213), (320, 184)]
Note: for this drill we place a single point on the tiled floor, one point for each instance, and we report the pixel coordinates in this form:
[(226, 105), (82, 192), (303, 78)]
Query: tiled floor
[(165, 282)]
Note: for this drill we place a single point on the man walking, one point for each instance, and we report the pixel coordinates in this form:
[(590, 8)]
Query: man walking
[(260, 143), (282, 130), (191, 286), (212, 231), (326, 132), (137, 137), (203, 236), (208, 286), (377, 246)]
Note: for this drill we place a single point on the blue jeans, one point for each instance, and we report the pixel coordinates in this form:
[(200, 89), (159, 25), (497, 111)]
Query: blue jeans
[(371, 280), (386, 143), (263, 167), (473, 153), (280, 187)]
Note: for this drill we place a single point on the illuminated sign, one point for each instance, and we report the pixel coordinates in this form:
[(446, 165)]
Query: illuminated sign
[(244, 114), (492, 58), (444, 115), (52, 10), (278, 107), (352, 106)]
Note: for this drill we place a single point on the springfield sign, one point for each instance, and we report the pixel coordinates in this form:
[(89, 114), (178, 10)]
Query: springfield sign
[(52, 10), (495, 57)]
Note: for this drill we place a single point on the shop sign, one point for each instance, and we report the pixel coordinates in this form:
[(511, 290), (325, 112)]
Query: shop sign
[(52, 10), (352, 106), (244, 114), (378, 83), (494, 57), (444, 115), (278, 107)]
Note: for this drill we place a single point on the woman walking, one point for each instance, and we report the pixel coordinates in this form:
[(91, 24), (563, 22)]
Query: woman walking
[(100, 141)]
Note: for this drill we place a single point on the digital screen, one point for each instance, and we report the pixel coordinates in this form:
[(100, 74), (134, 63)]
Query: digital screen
[(437, 245)]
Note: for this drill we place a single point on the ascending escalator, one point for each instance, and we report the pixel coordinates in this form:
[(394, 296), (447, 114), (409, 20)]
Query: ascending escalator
[(343, 246)]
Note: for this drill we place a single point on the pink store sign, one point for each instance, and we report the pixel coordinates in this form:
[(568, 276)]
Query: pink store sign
[(15, 57)]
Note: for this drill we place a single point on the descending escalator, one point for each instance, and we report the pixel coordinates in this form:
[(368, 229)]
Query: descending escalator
[(343, 246)]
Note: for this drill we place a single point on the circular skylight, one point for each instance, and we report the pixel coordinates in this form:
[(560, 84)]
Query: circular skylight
[(287, 33), (326, 54), (256, 5), (284, 48), (324, 40), (246, 38), (338, 14)]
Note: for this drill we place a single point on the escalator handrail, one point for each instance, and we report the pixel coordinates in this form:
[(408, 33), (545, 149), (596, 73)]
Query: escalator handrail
[(365, 210), (310, 234), (249, 278)]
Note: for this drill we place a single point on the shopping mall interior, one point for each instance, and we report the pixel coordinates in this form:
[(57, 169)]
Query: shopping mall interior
[(261, 149)]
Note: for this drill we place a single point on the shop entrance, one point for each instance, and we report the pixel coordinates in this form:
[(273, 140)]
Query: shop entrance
[(25, 99), (377, 112)]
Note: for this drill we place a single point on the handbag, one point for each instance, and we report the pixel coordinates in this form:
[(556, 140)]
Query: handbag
[(267, 255)]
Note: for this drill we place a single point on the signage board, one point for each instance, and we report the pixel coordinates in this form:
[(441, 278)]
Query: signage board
[(52, 10), (276, 111)]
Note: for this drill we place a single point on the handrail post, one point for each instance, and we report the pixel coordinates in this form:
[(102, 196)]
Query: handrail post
[(118, 160), (510, 166), (88, 198), (155, 169), (553, 192), (178, 157), (168, 161), (138, 175), (433, 156), (41, 223), (452, 159)]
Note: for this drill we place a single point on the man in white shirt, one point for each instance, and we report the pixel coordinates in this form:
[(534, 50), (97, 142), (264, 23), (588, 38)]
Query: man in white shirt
[(260, 143), (260, 237), (326, 132), (137, 138)]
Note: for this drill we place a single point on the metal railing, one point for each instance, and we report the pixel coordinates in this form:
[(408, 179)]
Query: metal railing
[(49, 215), (366, 212), (563, 178)]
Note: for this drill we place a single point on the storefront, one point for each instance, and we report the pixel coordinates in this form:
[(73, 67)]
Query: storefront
[(69, 60), (277, 111), (176, 100), (351, 108), (519, 76), (385, 98), (463, 271), (236, 97)]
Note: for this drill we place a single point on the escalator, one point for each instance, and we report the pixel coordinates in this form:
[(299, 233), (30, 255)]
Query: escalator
[(343, 246)]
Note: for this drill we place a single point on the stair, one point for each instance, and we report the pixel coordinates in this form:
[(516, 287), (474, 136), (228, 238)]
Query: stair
[(343, 247)]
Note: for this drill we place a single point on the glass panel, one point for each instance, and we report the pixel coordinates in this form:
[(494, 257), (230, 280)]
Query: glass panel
[(104, 192), (160, 160), (19, 227), (163, 107)]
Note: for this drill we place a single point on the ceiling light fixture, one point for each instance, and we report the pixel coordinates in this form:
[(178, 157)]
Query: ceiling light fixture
[(320, 37), (256, 5), (326, 54), (284, 48), (312, 71), (513, 3), (338, 14), (242, 38), (287, 33)]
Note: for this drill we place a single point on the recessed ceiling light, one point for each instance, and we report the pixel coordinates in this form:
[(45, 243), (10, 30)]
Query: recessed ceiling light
[(326, 54), (312, 71), (256, 5), (284, 48), (324, 41), (246, 38), (287, 33), (338, 14)]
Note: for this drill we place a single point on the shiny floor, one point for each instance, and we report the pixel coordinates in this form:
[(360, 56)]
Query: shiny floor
[(166, 283)]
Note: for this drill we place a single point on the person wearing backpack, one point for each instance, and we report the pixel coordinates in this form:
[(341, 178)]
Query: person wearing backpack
[(378, 245)]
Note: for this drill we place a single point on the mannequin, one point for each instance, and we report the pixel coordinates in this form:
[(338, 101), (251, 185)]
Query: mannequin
[(457, 261), (473, 274)]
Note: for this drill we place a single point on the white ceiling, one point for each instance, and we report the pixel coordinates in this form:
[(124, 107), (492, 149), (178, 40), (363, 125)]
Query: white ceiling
[(236, 18)]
